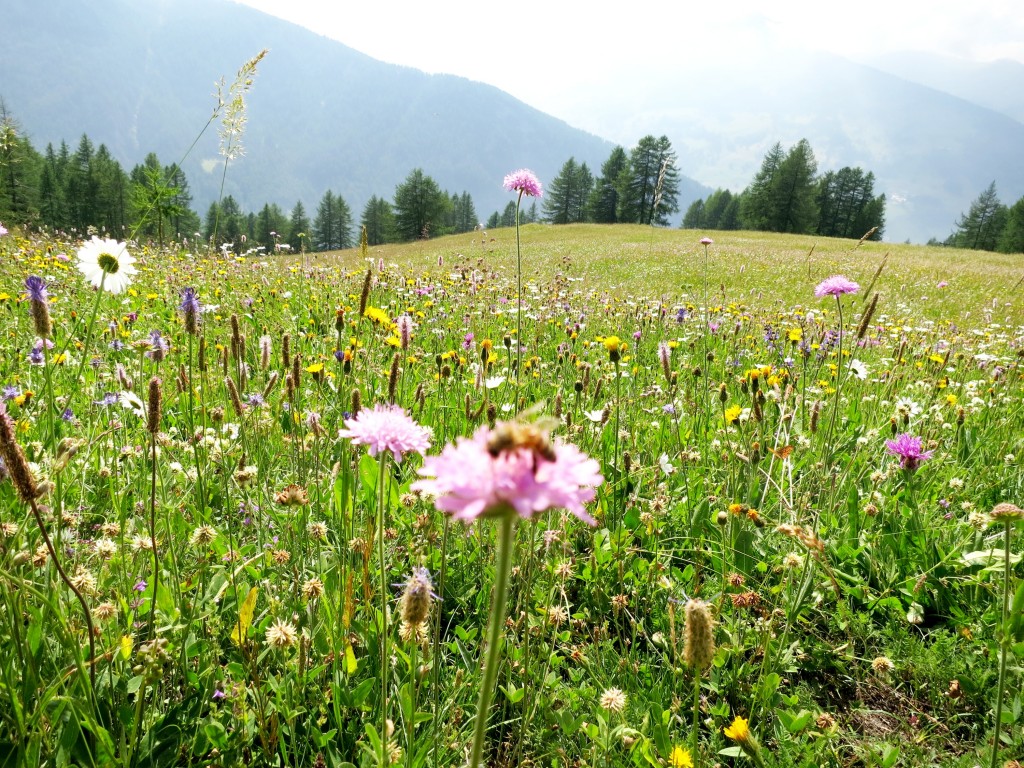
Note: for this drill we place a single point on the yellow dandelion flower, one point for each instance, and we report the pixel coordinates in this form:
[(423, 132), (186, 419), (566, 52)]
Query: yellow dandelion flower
[(739, 730), (680, 758), (377, 315)]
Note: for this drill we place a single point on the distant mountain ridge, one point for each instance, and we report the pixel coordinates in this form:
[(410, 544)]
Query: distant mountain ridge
[(139, 76)]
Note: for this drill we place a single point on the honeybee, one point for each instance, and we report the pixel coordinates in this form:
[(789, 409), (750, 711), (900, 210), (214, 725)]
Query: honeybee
[(534, 436)]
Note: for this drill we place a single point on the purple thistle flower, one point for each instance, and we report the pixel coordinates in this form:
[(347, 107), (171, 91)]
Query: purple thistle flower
[(525, 182), (836, 285), (36, 288), (908, 448)]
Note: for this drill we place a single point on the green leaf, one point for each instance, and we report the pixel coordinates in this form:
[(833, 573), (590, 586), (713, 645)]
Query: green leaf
[(245, 614), (513, 694)]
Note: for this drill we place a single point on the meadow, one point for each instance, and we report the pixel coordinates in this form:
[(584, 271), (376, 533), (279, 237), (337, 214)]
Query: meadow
[(221, 543)]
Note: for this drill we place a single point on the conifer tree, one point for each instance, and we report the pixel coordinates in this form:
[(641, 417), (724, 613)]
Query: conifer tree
[(982, 226), (298, 228), (603, 205), (379, 221)]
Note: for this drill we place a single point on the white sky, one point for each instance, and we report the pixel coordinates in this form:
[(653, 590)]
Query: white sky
[(539, 51)]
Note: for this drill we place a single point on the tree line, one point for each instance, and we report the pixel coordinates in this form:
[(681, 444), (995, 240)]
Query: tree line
[(988, 225), (788, 195), (641, 187), (61, 190)]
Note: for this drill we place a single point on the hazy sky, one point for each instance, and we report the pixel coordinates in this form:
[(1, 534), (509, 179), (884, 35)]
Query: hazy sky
[(540, 51)]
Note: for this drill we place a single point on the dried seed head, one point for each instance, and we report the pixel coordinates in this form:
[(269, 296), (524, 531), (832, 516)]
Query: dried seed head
[(153, 406), (417, 597), (699, 640)]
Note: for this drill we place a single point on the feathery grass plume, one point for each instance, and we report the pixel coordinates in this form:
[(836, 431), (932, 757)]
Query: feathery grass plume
[(289, 388), (874, 279), (201, 354), (865, 236), (271, 383), (862, 329), (236, 401), (357, 402), (809, 254), (364, 297), (558, 405), (297, 370), (815, 415), (182, 380), (659, 189), (393, 377), (153, 406), (286, 350), (39, 306), (225, 360), (698, 636)]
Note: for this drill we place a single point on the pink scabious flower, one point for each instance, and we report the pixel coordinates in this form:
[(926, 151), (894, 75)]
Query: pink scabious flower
[(471, 479), (525, 182), (706, 241), (908, 448), (387, 428), (836, 285)]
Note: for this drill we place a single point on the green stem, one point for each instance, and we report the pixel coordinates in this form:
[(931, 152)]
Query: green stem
[(696, 716), (499, 597), (1001, 688), (88, 331), (519, 306), (383, 626)]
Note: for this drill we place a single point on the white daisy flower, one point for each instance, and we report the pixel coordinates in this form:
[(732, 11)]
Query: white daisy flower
[(106, 263)]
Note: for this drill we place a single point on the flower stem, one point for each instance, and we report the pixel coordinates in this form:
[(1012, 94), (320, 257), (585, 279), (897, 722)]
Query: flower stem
[(383, 627), (499, 597), (1003, 642), (519, 305)]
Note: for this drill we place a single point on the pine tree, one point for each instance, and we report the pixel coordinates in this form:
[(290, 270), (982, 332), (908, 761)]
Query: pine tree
[(603, 205), (796, 210), (53, 209), (508, 216), (271, 225), (649, 186), (379, 221), (20, 169), (420, 207), (715, 208), (298, 228), (694, 217), (981, 227), (847, 206), (757, 206), (568, 194), (1012, 238)]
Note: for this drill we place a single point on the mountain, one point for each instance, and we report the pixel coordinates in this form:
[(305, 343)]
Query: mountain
[(139, 76), (996, 85), (932, 151)]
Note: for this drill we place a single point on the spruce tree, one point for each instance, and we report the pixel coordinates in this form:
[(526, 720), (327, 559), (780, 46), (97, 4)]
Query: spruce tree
[(298, 228), (603, 205), (379, 221), (1011, 240), (420, 207)]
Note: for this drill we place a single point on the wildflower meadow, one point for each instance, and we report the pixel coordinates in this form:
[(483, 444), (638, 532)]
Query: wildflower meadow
[(576, 496)]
